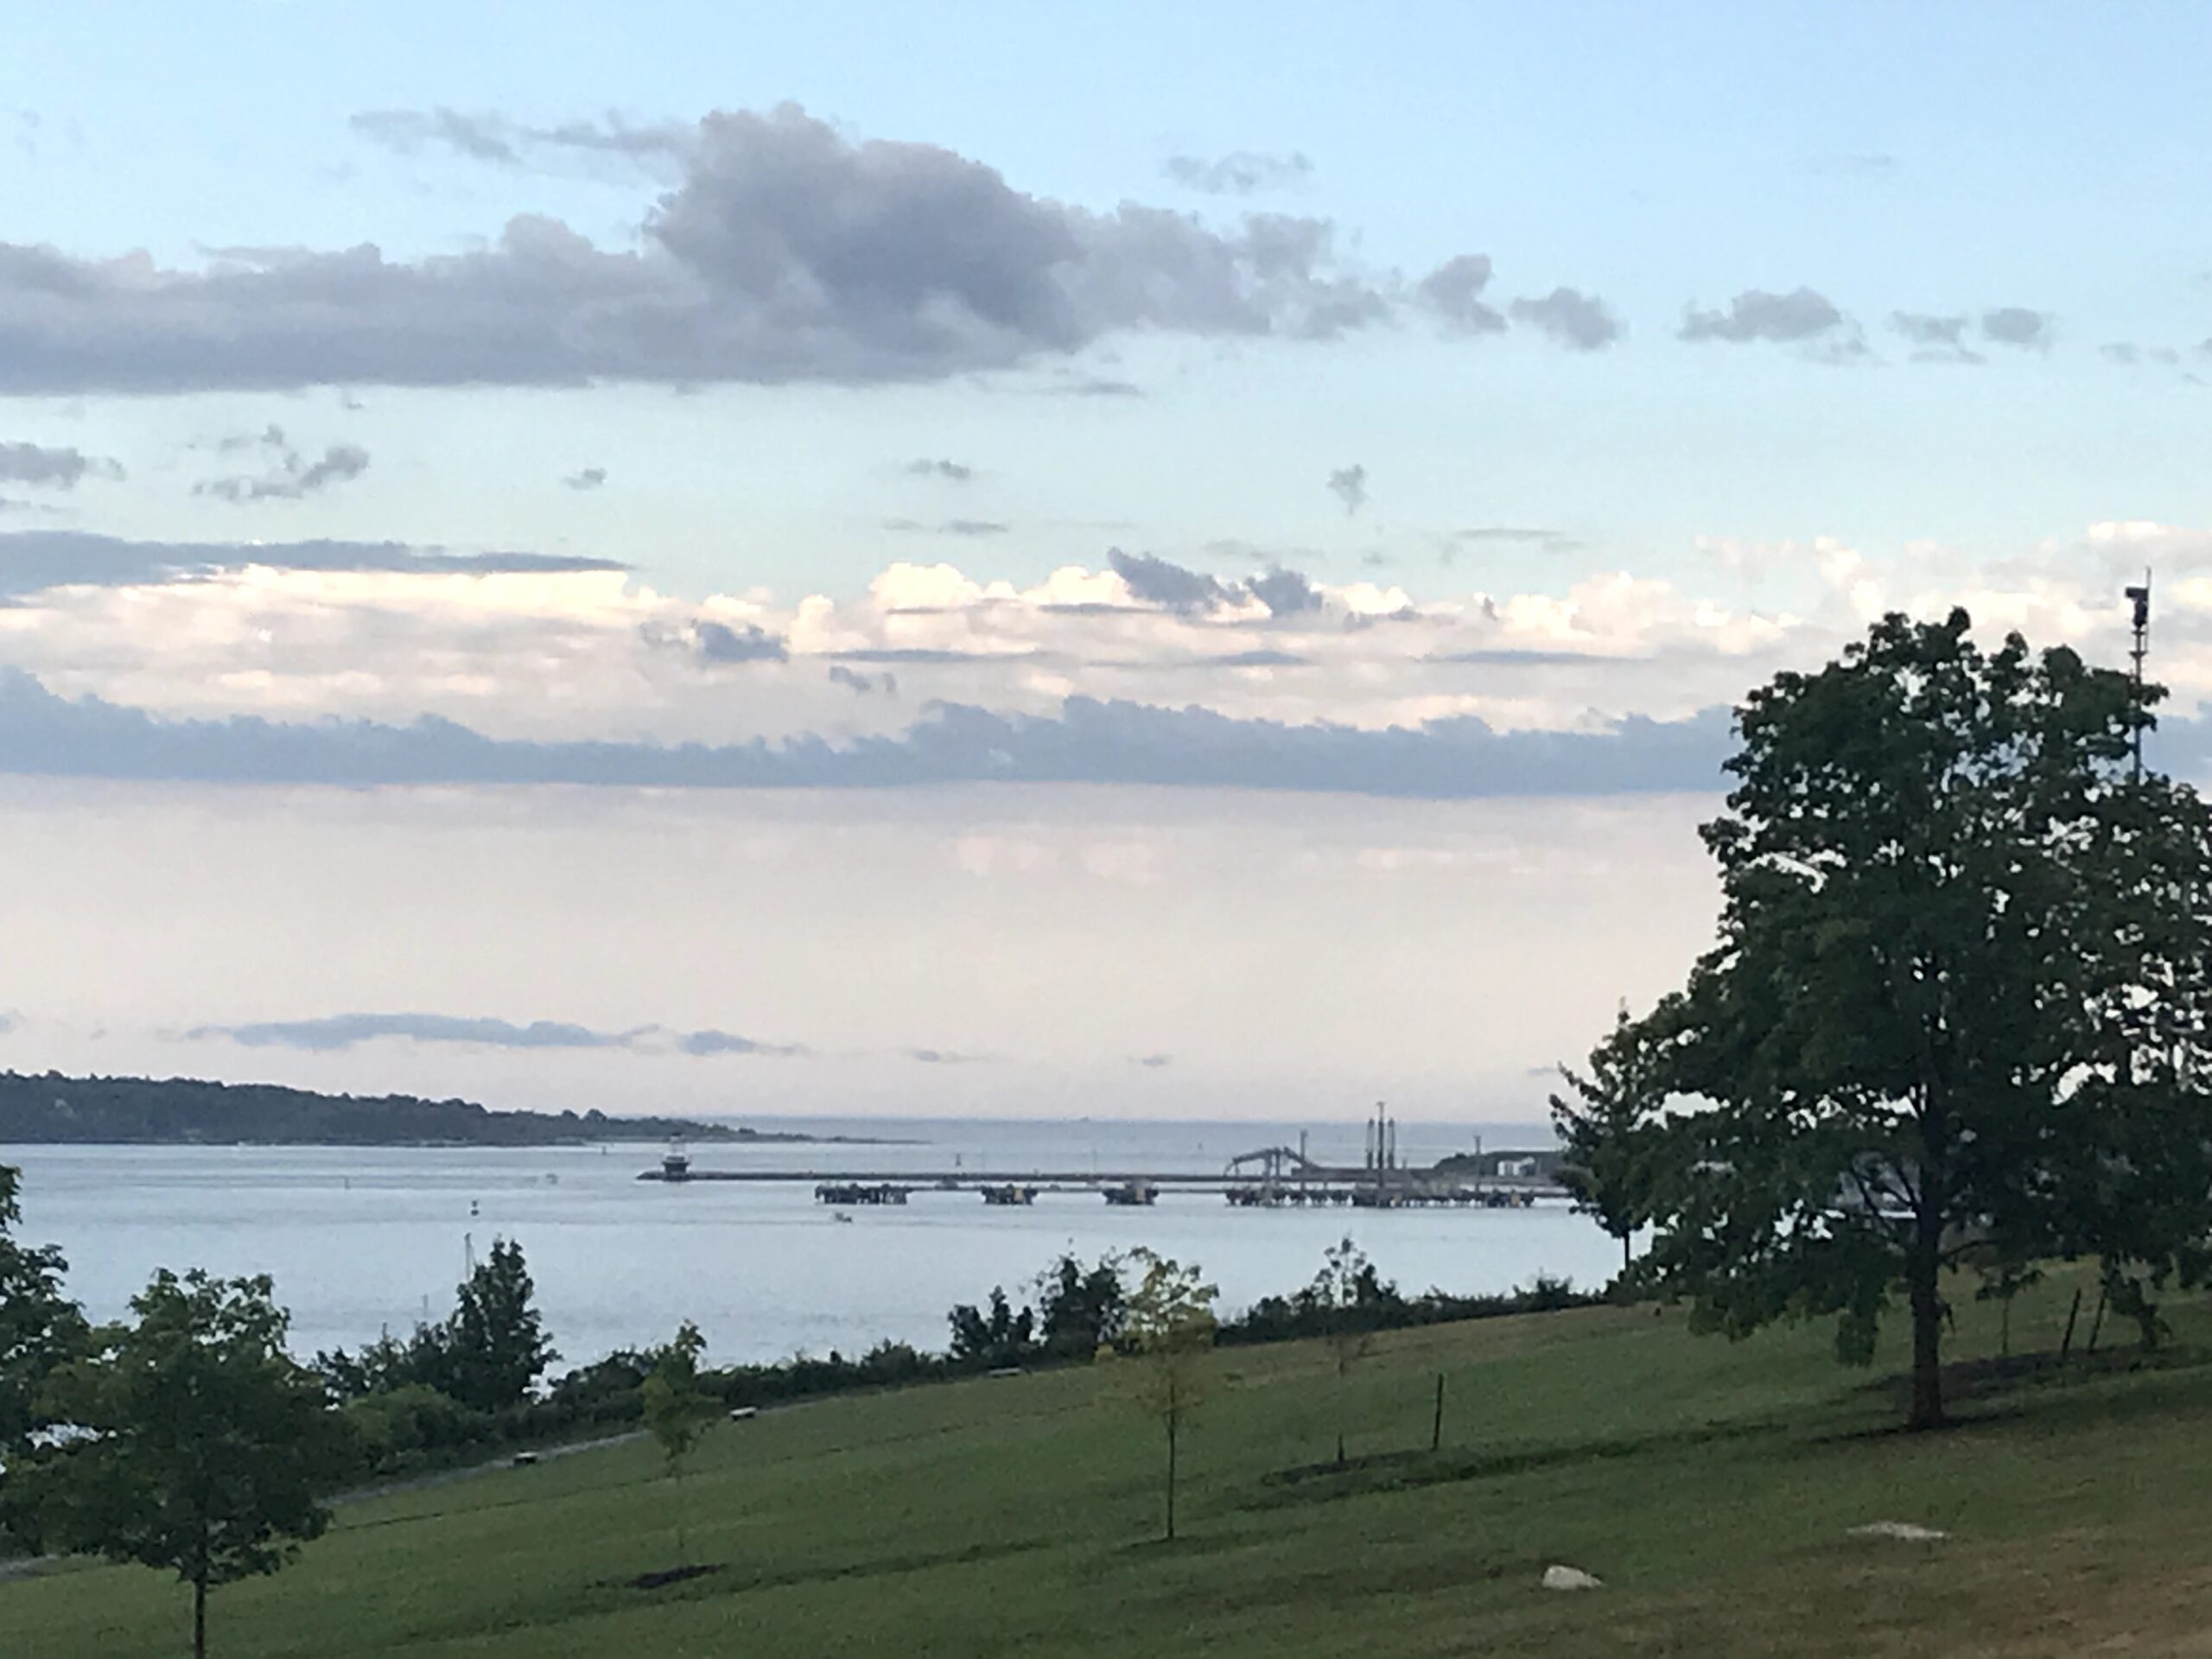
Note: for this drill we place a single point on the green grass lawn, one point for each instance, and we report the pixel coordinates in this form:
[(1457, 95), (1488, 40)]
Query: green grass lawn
[(1712, 1486)]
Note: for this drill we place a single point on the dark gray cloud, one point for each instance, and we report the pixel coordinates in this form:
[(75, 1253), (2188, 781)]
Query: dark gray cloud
[(784, 252), (865, 685), (1152, 1062), (331, 1032), (589, 479), (1570, 317), (32, 560), (747, 642), (2015, 325), (947, 527), (1241, 172), (56, 469), (952, 472), (1155, 581), (946, 1057), (1087, 741), (1755, 314), (1349, 486), (290, 476), (1454, 291), (1285, 593)]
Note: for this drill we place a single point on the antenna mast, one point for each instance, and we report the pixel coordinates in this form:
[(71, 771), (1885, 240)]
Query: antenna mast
[(2140, 598)]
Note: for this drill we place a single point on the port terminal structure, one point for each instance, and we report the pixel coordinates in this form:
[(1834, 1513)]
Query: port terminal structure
[(1266, 1179)]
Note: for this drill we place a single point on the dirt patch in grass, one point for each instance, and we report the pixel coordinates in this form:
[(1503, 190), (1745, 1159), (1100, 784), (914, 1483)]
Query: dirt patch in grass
[(667, 1576)]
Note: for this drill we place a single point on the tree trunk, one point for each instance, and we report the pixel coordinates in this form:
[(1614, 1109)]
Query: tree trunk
[(200, 1619), (683, 1545), (1927, 1340), (1628, 1253), (1171, 1476)]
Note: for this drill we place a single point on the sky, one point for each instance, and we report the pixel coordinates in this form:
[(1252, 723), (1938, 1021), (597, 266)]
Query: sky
[(862, 558)]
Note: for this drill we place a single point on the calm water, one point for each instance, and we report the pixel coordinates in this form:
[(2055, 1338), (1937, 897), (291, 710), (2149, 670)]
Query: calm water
[(362, 1239)]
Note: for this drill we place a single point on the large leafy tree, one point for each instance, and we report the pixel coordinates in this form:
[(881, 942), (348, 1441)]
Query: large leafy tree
[(488, 1355), (495, 1347), (1081, 1309), (39, 1327), (998, 1337), (1960, 1003), (198, 1445)]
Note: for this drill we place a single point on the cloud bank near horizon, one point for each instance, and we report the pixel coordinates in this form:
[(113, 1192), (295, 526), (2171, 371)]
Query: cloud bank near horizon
[(332, 1033), (1088, 742)]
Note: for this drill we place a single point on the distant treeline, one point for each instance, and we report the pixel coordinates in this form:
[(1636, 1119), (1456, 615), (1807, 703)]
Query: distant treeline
[(54, 1109)]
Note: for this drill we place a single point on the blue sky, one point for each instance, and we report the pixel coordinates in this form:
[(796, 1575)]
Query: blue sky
[(1894, 158), (891, 384)]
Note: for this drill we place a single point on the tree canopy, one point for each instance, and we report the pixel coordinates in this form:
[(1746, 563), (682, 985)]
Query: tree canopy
[(39, 1328), (487, 1354), (1081, 1309), (196, 1444), (1959, 1001), (1608, 1133)]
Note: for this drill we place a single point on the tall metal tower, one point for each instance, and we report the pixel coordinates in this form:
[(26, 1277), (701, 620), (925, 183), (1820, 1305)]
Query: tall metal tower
[(2140, 598)]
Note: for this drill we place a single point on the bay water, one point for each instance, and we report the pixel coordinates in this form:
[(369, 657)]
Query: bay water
[(365, 1240)]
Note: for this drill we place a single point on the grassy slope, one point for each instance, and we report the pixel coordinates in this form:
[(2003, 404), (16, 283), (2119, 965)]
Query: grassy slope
[(1710, 1483)]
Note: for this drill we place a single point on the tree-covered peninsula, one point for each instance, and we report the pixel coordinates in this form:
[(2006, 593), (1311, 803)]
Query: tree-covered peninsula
[(52, 1108)]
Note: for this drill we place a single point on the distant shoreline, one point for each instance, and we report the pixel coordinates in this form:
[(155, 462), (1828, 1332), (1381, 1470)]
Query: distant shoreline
[(710, 1137), (51, 1109)]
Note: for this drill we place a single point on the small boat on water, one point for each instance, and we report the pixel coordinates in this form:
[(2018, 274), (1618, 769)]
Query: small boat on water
[(676, 1166), (841, 1216)]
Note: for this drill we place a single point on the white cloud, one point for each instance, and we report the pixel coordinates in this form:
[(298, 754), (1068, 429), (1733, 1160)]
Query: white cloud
[(560, 654)]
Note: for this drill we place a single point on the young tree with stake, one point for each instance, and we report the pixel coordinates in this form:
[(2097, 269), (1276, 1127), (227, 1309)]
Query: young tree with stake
[(678, 1411), (1340, 1293), (1169, 1331)]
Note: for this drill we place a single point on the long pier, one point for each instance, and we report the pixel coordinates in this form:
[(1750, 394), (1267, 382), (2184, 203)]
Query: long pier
[(1315, 1184)]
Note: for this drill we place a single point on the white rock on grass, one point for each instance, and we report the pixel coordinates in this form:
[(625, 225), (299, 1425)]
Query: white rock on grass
[(1905, 1530), (1570, 1577)]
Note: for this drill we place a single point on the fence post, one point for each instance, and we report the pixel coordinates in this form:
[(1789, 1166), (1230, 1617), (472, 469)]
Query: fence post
[(1436, 1426)]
